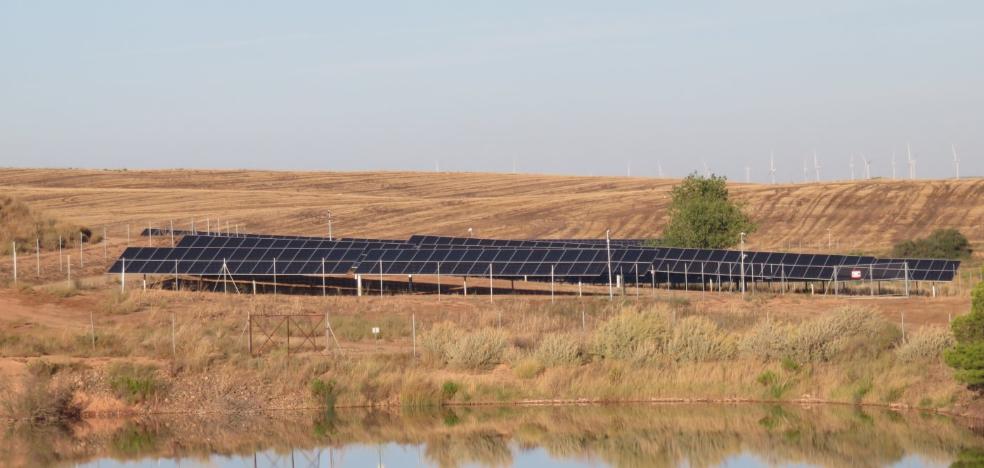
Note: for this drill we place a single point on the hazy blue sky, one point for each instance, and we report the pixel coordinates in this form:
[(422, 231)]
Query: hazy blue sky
[(566, 86)]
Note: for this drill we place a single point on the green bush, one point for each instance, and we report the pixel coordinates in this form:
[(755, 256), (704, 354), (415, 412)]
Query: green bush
[(134, 383), (325, 392), (703, 216), (942, 243), (967, 357), (449, 389)]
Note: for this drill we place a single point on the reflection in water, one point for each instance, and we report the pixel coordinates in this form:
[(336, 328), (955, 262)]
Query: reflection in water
[(624, 436)]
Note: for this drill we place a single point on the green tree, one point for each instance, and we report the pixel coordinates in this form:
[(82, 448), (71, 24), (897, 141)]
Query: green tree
[(702, 215), (967, 357), (942, 243)]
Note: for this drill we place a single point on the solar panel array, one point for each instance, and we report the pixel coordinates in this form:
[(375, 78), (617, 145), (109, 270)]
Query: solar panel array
[(573, 259)]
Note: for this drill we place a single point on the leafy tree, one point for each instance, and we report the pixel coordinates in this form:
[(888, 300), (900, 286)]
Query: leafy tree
[(967, 357), (702, 215), (942, 243)]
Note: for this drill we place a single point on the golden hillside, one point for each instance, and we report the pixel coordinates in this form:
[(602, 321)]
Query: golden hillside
[(863, 215)]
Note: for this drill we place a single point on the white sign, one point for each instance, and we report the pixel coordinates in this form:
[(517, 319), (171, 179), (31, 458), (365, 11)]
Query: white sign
[(855, 274), (375, 330)]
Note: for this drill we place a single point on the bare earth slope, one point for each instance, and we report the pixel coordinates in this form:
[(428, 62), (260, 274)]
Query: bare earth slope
[(863, 215)]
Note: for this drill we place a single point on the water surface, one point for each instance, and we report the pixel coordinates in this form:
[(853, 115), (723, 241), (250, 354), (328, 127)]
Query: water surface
[(542, 437)]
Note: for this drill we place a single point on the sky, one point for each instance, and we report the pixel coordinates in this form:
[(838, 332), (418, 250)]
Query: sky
[(567, 87)]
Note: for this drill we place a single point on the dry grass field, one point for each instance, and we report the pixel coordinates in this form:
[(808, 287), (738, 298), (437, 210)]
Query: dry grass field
[(866, 216)]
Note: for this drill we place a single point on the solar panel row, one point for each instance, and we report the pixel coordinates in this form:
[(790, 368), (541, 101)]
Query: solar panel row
[(254, 255)]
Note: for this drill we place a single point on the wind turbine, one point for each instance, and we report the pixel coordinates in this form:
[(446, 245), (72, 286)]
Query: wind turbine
[(707, 171), (912, 162), (659, 169), (867, 167), (852, 167), (772, 166), (893, 166), (748, 174), (956, 161), (628, 169), (806, 172), (816, 165)]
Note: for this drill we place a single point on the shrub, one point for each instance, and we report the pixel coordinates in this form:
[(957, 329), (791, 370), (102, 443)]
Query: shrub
[(134, 383), (558, 349), (925, 343), (699, 339), (477, 350), (449, 389), (702, 215), (436, 343), (324, 392), (419, 393), (41, 400), (850, 332), (632, 336), (967, 357), (942, 243), (767, 340), (528, 368), (19, 223)]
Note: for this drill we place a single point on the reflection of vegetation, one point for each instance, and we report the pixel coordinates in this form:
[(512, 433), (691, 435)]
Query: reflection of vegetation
[(626, 435), (968, 458), (134, 439)]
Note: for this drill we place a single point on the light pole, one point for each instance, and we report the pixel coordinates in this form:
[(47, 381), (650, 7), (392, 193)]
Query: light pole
[(608, 250), (469, 232), (742, 260)]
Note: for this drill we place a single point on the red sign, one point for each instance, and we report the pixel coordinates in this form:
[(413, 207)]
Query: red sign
[(855, 274)]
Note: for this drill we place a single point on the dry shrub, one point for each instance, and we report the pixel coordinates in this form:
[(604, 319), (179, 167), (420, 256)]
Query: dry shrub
[(418, 392), (559, 349), (698, 339), (528, 368), (926, 343), (767, 340), (447, 344), (19, 223), (632, 335), (845, 333), (42, 398), (848, 332)]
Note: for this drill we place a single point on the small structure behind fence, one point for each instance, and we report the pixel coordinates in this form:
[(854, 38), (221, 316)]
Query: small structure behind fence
[(292, 332)]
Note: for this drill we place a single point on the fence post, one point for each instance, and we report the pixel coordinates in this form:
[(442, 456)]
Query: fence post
[(174, 345), (249, 329), (92, 327), (122, 274), (288, 336), (106, 241), (413, 330), (14, 250), (438, 281), (37, 253)]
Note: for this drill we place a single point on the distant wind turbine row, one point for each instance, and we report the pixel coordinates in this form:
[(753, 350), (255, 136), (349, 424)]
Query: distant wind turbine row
[(865, 169)]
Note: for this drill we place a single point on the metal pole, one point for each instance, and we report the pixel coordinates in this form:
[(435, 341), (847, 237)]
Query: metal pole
[(324, 290), (413, 331), (608, 250), (37, 254), (14, 250), (905, 266), (60, 267), (380, 277), (172, 232), (122, 275), (274, 276), (438, 281), (551, 283), (106, 241), (742, 264), (490, 282), (150, 235), (80, 249), (330, 237)]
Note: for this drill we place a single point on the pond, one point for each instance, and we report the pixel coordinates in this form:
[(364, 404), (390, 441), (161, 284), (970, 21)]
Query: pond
[(740, 435)]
